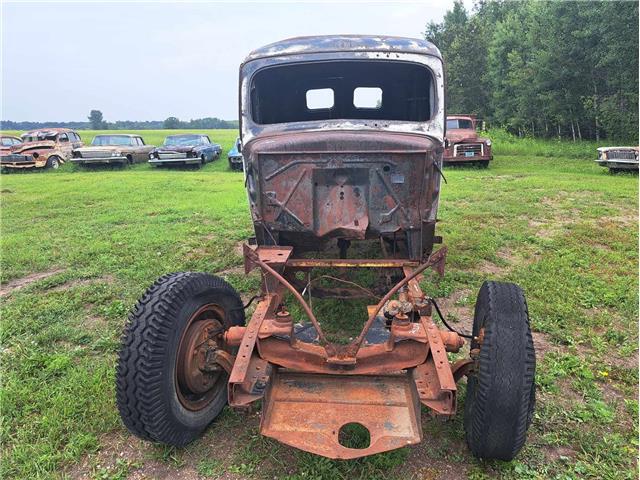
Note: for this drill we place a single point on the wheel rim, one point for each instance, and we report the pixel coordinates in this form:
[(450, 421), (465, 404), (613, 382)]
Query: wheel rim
[(54, 163), (195, 387)]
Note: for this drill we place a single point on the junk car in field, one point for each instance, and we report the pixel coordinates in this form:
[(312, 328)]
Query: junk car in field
[(44, 148), (342, 140), (185, 149), (234, 156), (121, 149), (618, 158), (464, 145), (7, 142)]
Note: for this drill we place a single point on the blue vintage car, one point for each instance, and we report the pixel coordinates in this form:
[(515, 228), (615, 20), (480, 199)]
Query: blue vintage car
[(185, 149), (234, 156)]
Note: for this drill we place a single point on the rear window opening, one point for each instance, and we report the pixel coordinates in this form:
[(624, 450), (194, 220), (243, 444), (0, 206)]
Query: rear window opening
[(363, 90), (367, 97), (319, 98)]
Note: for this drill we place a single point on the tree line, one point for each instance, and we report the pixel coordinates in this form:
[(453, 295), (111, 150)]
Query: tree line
[(544, 68), (97, 122)]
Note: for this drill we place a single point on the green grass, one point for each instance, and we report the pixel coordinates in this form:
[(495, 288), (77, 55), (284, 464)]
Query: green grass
[(542, 215), (507, 144)]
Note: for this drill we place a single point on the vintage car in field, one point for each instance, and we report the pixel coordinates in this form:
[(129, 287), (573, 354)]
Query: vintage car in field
[(464, 145), (234, 155), (122, 149), (8, 142), (44, 148), (618, 158), (342, 139), (185, 149)]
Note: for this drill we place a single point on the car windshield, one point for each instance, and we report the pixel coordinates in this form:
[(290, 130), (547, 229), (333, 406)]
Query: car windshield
[(459, 124), (184, 140), (7, 142), (112, 140), (39, 136)]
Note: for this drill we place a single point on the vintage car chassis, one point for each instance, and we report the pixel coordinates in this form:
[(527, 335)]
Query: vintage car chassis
[(312, 389)]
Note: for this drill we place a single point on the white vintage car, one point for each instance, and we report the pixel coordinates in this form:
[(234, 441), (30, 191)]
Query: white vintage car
[(618, 158)]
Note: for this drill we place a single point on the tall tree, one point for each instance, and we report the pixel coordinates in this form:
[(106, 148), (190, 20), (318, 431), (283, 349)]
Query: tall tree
[(172, 123), (95, 117), (544, 68)]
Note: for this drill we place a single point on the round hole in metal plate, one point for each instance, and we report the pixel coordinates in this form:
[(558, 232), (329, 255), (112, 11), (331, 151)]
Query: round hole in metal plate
[(354, 435)]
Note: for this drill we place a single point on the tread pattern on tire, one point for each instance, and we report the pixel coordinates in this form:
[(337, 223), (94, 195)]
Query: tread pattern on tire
[(142, 407), (501, 397)]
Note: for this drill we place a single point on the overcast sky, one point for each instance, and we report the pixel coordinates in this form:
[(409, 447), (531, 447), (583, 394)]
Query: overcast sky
[(148, 61)]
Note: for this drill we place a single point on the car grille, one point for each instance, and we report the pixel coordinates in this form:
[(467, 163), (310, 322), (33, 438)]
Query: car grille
[(621, 155), (14, 158), (462, 149), (94, 154), (172, 155)]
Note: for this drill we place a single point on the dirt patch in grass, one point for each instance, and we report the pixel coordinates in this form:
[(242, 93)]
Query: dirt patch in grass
[(122, 455), (561, 452), (19, 283), (238, 270), (81, 282), (490, 269), (543, 344), (626, 219), (456, 312)]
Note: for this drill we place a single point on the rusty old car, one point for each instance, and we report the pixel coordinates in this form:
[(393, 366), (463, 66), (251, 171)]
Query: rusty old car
[(44, 148), (618, 159), (185, 149), (7, 142), (121, 149), (343, 188), (463, 143)]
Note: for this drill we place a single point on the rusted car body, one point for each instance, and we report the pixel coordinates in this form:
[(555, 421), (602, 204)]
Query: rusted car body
[(464, 145), (7, 143), (331, 171), (121, 149), (618, 158), (44, 148)]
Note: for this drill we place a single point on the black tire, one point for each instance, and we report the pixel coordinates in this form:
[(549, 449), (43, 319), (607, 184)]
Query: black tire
[(501, 394), (53, 162), (147, 385), (483, 164)]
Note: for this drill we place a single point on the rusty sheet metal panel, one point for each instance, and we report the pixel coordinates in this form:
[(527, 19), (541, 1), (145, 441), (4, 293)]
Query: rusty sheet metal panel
[(351, 185), (307, 411)]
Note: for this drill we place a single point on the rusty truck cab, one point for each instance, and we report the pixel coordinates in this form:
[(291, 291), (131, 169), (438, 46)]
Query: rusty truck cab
[(342, 140)]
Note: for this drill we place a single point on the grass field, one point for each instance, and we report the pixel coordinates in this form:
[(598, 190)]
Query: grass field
[(80, 246)]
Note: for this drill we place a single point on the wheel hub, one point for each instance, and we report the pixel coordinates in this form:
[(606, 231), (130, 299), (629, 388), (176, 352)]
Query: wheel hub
[(197, 383)]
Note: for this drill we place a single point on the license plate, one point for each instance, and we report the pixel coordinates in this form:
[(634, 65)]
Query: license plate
[(469, 154)]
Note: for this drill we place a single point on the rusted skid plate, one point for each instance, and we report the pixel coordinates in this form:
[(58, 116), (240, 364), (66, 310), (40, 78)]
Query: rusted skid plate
[(434, 378), (250, 374), (307, 411)]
